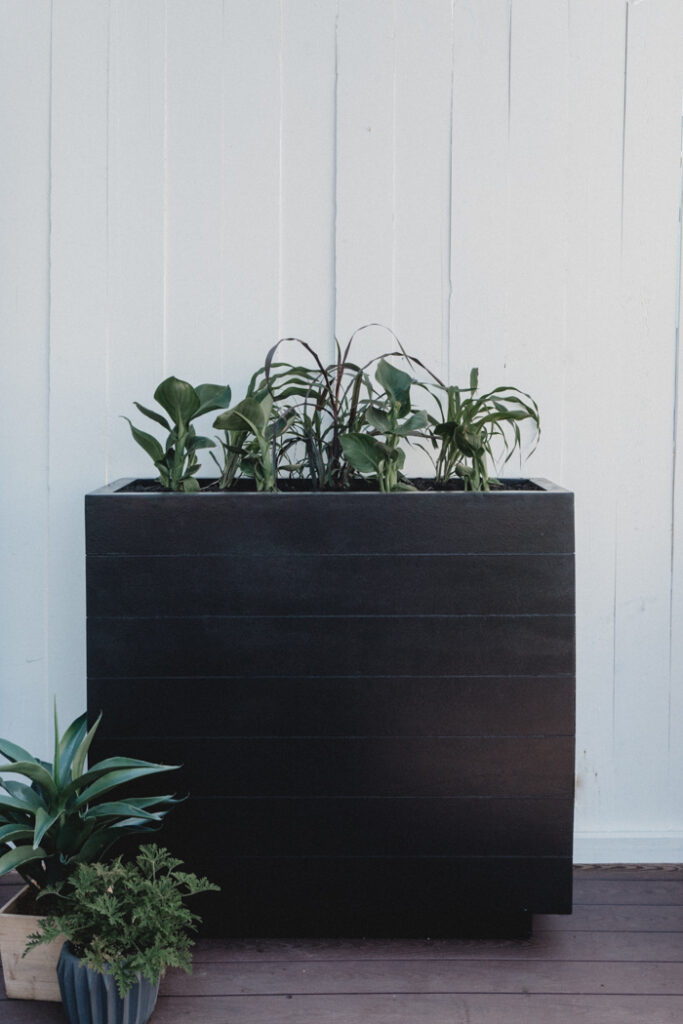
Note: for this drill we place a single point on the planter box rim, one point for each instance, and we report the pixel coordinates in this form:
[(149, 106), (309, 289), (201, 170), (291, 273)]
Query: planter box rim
[(115, 488)]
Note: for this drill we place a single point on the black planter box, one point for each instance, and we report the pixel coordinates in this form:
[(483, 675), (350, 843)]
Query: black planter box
[(372, 697)]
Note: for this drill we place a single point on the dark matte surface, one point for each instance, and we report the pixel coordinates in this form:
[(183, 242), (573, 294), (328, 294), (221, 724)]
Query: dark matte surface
[(363, 584), (381, 766), (617, 960), (490, 645), (277, 524), (338, 705), (406, 652)]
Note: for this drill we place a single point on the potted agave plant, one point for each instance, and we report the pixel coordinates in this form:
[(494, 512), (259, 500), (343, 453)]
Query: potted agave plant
[(63, 814), (124, 923), (373, 674)]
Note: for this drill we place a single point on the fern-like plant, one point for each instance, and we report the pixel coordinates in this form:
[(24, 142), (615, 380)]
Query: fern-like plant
[(126, 919)]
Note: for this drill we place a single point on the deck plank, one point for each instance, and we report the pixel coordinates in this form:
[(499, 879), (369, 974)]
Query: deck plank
[(618, 959)]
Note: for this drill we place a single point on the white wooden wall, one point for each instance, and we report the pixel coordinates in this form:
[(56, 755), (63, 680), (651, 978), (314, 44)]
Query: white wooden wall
[(183, 182)]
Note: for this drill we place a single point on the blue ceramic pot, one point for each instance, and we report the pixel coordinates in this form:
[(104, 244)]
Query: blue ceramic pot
[(92, 998)]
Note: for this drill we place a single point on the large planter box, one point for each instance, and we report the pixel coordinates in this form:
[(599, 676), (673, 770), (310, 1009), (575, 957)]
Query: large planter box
[(372, 697)]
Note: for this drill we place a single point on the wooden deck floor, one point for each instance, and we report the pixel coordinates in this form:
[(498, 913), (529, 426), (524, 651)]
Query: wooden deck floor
[(617, 960)]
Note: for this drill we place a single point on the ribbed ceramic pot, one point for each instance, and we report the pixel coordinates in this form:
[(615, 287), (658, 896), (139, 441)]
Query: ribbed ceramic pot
[(92, 998)]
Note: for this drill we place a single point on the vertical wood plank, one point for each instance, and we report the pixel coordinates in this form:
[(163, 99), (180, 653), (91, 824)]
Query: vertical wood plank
[(308, 113), (365, 172), (479, 188), (136, 225), (535, 346), (24, 341), (194, 150), (422, 167), (592, 432), (675, 739), (251, 185), (78, 323), (645, 410)]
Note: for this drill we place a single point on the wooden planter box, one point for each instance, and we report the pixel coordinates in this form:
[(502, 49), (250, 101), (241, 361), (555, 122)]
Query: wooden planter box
[(372, 697), (35, 975)]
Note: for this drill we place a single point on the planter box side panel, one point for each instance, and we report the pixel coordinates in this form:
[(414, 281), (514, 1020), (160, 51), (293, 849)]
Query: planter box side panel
[(372, 696)]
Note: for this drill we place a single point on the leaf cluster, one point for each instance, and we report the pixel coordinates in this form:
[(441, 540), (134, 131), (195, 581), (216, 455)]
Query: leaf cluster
[(331, 423), (63, 814), (177, 460), (127, 918)]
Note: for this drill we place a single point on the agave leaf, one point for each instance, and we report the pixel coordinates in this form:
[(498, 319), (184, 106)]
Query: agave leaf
[(179, 399), (14, 753), (21, 855), (67, 746), (44, 821), (111, 779), (13, 831), (34, 771), (108, 765), (156, 416), (82, 752), (117, 807), (146, 442), (212, 397)]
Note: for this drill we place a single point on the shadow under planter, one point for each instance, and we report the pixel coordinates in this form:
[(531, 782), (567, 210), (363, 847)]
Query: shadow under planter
[(372, 697)]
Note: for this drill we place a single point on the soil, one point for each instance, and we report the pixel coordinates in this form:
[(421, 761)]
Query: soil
[(303, 486)]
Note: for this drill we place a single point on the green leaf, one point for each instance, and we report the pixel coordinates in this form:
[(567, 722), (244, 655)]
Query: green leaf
[(418, 421), (379, 419), (212, 397), (35, 772), (146, 442), (44, 821), (109, 779), (14, 831), (117, 807), (248, 414), (14, 753), (200, 442), (68, 745), (156, 416), (179, 399), (363, 452), (22, 855), (82, 752), (396, 383), (189, 485)]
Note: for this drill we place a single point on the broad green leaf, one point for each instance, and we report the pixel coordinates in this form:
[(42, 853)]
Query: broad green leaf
[(363, 452), (212, 397), (12, 803), (35, 772), (146, 442), (189, 485), (200, 442), (22, 855), (156, 416), (378, 419), (179, 399), (82, 752), (110, 780), (248, 413), (418, 421), (396, 383), (44, 821), (14, 753)]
